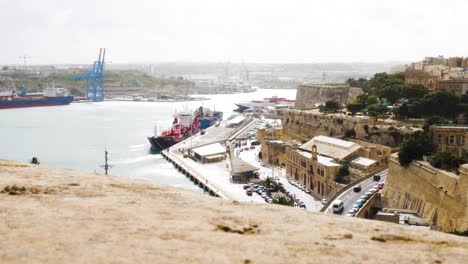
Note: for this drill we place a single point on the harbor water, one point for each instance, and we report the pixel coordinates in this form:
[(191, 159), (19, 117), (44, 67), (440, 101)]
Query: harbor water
[(76, 135)]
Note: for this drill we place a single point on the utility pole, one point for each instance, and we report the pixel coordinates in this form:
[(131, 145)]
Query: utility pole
[(106, 165)]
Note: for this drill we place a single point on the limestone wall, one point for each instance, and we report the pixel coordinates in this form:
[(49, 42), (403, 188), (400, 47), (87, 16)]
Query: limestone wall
[(437, 195), (309, 94), (66, 216), (303, 125)]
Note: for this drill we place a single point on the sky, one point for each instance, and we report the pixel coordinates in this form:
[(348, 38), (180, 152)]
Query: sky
[(272, 31)]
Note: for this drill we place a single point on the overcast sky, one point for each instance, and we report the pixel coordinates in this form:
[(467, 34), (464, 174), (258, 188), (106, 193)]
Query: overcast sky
[(71, 31)]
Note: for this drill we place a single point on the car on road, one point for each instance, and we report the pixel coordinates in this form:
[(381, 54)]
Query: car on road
[(376, 177), (360, 202), (357, 188), (249, 192), (337, 206)]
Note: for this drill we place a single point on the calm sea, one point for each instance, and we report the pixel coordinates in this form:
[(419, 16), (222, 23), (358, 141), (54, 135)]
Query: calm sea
[(75, 136)]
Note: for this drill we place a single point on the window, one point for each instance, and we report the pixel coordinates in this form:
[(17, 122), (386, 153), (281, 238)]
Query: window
[(453, 141), (439, 139), (462, 140)]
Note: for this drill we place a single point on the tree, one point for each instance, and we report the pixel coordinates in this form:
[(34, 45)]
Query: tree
[(350, 133), (447, 161), (414, 148), (362, 99), (343, 171), (414, 91), (372, 100), (355, 107), (283, 201), (441, 103), (391, 93), (434, 120), (332, 106)]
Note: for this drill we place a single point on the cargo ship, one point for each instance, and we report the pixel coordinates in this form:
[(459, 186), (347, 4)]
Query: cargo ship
[(184, 125), (50, 97)]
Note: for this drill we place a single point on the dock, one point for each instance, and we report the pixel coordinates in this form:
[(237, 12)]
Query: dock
[(214, 178)]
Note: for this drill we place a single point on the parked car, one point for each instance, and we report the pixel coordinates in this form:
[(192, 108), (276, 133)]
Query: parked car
[(357, 188), (360, 202), (352, 212), (350, 215), (364, 197), (381, 185), (248, 192), (246, 186), (324, 201), (355, 208)]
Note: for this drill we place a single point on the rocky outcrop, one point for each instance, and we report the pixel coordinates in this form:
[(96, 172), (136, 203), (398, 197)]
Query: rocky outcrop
[(309, 94), (305, 124), (66, 216)]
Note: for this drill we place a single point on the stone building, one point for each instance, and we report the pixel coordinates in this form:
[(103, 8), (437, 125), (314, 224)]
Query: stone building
[(422, 77), (274, 152), (455, 62), (457, 86), (373, 151), (437, 195), (316, 163), (449, 138), (308, 95)]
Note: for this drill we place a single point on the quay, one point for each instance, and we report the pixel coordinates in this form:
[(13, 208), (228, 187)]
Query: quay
[(214, 178)]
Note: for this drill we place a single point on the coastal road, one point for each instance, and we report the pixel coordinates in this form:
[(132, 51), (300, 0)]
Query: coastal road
[(350, 197)]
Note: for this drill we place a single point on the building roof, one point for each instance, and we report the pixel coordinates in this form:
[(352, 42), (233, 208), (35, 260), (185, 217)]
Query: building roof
[(364, 161), (211, 149), (239, 166), (236, 120), (325, 161), (331, 147), (451, 126)]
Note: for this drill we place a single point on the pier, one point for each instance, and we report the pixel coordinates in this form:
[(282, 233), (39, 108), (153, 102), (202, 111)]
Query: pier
[(193, 175), (214, 178)]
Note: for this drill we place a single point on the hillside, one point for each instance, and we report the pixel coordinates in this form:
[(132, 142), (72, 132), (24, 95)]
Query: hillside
[(67, 216), (116, 82)]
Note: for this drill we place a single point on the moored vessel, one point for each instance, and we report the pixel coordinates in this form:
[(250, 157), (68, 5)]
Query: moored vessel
[(184, 125), (50, 97)]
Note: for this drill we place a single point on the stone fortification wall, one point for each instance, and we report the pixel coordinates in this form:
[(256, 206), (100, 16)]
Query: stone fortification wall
[(303, 125), (437, 195), (309, 94)]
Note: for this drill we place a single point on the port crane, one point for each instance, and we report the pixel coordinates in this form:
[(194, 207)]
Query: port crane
[(94, 78)]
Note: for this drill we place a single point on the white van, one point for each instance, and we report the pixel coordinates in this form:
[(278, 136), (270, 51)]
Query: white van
[(337, 206)]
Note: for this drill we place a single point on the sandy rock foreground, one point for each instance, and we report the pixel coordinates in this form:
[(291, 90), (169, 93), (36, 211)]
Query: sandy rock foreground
[(66, 216)]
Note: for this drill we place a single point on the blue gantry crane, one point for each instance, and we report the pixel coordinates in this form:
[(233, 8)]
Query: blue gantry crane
[(94, 77)]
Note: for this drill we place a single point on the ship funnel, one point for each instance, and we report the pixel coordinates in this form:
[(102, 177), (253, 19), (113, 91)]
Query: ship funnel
[(155, 131)]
